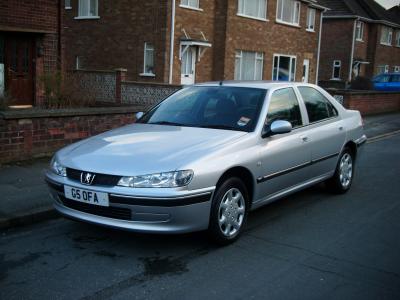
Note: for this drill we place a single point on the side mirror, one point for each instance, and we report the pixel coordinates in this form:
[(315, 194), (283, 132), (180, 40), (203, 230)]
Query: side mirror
[(139, 115), (277, 127)]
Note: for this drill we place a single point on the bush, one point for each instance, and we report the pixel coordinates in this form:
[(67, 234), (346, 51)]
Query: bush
[(65, 91), (361, 83)]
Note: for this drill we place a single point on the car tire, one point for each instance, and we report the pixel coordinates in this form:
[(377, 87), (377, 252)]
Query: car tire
[(229, 211), (341, 181)]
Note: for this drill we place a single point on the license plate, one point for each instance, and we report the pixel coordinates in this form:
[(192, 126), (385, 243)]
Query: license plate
[(86, 196)]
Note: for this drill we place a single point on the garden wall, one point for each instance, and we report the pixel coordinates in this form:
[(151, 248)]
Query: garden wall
[(28, 134)]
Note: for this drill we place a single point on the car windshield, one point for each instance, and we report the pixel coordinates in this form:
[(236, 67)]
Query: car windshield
[(219, 107)]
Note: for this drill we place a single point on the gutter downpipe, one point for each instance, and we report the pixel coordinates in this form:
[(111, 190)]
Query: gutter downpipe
[(352, 50), (172, 41), (319, 47)]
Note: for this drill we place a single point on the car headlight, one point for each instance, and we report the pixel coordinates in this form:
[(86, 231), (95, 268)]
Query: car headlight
[(159, 180), (57, 168)]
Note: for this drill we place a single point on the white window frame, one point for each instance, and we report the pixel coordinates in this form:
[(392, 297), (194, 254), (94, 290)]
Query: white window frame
[(311, 13), (396, 69), (336, 64), (259, 56), (279, 14), (387, 41), (397, 43), (148, 47), (186, 4), (383, 69), (360, 31), (67, 4), (262, 15), (291, 57), (84, 17)]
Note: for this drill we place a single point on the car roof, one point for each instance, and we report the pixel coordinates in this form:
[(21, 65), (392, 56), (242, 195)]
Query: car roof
[(263, 84)]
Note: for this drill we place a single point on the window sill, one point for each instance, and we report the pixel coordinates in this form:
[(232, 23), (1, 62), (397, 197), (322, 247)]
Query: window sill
[(335, 79), (287, 23), (310, 30), (191, 7), (147, 75), (384, 44), (253, 18), (87, 18), (68, 8), (361, 41)]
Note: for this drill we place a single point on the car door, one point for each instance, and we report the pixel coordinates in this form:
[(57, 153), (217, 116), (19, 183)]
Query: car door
[(284, 157), (325, 131)]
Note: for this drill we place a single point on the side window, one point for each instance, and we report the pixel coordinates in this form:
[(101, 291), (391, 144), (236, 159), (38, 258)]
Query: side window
[(395, 78), (318, 107), (284, 106)]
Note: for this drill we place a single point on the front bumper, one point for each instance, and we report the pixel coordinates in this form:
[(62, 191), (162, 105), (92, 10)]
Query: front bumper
[(157, 210)]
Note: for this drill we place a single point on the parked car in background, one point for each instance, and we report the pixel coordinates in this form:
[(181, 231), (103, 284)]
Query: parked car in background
[(206, 156), (387, 82)]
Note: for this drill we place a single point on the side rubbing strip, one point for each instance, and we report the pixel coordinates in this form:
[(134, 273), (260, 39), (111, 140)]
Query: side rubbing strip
[(296, 168)]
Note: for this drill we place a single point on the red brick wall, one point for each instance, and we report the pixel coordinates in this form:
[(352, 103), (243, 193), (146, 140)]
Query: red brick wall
[(336, 44), (373, 103), (116, 40), (22, 139)]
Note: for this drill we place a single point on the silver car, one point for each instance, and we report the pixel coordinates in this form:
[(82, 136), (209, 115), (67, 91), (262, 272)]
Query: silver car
[(206, 156)]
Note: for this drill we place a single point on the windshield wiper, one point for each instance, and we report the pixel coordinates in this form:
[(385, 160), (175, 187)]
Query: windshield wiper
[(167, 123), (221, 127)]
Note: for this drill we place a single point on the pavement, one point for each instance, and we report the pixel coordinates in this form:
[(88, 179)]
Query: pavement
[(310, 245), (25, 198)]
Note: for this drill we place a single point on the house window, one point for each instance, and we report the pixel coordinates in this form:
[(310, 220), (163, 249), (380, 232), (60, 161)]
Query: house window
[(288, 11), (248, 65), (284, 68), (253, 8), (359, 31), (67, 4), (386, 36), (88, 8), (398, 38), (396, 69), (311, 19), (383, 69), (190, 3), (148, 65), (337, 65)]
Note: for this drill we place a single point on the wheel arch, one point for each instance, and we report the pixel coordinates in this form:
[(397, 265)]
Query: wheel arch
[(243, 174)]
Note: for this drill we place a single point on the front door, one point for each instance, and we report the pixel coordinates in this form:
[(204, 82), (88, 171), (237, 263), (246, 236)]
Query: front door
[(188, 67), (306, 70), (19, 68)]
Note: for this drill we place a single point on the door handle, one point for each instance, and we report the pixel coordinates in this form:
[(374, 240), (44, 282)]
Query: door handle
[(304, 138)]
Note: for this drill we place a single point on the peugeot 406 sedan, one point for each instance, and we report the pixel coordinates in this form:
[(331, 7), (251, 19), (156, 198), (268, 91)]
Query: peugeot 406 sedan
[(206, 156)]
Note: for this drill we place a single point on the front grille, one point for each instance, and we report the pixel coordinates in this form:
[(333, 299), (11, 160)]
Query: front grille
[(109, 211), (99, 179)]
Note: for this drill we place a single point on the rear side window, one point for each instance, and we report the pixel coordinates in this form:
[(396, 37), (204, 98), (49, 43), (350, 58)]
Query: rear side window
[(318, 106), (395, 78), (284, 106)]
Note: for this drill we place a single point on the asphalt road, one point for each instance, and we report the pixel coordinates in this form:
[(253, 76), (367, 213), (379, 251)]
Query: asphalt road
[(311, 245)]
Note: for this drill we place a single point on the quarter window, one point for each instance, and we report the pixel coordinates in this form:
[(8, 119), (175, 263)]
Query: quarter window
[(148, 66), (248, 65), (337, 64), (190, 3), (88, 8), (311, 19), (253, 8), (284, 106), (288, 11), (359, 31), (317, 105), (386, 36), (284, 68)]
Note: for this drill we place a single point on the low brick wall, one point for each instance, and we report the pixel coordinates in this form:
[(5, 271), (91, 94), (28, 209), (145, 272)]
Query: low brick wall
[(28, 134), (369, 102)]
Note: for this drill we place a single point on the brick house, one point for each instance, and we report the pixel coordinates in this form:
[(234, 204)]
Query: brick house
[(29, 46), (359, 38), (187, 41)]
